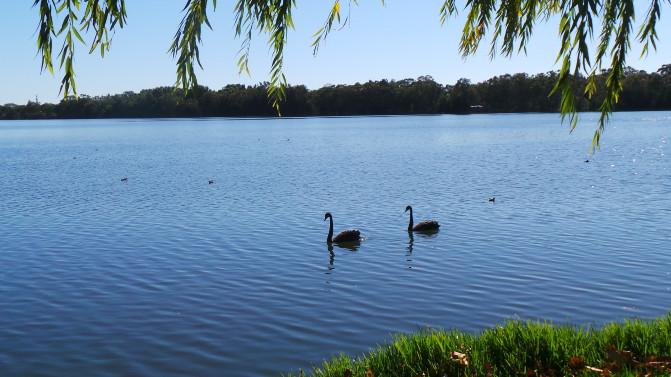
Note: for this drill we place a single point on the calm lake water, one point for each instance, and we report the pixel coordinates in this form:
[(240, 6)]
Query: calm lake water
[(167, 275)]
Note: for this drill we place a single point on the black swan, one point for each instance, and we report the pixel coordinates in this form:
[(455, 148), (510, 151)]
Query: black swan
[(344, 236), (424, 226)]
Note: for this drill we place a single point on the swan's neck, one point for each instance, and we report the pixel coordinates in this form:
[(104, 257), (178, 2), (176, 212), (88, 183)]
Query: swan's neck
[(411, 221), (329, 238)]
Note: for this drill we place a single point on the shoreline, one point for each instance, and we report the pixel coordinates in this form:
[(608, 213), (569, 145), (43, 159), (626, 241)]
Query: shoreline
[(231, 118), (515, 348)]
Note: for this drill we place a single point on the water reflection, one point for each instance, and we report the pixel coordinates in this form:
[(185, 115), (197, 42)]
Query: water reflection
[(331, 259), (351, 246), (432, 233), (408, 254), (411, 241)]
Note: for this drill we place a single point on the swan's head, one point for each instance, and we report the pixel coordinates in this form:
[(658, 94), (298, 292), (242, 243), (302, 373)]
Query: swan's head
[(408, 208), (327, 215)]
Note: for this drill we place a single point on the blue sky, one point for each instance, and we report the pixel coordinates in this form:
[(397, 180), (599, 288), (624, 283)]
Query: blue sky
[(399, 40)]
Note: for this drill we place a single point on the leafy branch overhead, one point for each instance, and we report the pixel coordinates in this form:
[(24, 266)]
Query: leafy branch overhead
[(98, 17), (508, 23)]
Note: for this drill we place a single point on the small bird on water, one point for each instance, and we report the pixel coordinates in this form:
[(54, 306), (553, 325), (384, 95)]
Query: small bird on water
[(210, 182), (124, 179), (492, 199)]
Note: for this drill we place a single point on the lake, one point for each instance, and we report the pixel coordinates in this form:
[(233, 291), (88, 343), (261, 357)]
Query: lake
[(167, 275)]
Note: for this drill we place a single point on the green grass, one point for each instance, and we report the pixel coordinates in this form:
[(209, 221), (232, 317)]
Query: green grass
[(630, 348)]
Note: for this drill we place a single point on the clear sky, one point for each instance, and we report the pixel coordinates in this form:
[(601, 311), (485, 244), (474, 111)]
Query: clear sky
[(403, 39)]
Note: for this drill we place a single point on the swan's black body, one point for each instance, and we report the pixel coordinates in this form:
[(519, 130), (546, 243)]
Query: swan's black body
[(424, 226), (344, 236)]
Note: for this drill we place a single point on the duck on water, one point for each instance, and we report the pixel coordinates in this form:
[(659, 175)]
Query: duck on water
[(352, 235), (424, 226)]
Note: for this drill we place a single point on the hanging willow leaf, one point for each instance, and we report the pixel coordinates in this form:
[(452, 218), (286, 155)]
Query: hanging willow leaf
[(185, 43), (102, 16)]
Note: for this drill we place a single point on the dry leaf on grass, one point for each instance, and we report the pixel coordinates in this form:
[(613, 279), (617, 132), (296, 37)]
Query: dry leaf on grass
[(576, 363), (620, 357), (460, 358), (594, 369)]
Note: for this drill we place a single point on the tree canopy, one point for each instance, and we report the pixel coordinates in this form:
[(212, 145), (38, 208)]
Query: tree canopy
[(508, 23), (517, 93)]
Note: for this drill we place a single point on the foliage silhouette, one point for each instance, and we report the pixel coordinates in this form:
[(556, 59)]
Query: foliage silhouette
[(502, 94)]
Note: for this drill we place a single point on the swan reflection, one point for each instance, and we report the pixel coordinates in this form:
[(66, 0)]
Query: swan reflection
[(331, 259), (411, 241), (427, 233), (351, 246)]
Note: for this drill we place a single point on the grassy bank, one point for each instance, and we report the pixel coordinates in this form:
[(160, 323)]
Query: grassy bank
[(631, 348)]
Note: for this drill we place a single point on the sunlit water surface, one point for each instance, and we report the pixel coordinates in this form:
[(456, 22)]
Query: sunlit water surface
[(167, 275)]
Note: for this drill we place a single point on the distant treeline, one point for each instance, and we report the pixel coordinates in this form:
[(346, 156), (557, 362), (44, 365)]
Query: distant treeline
[(502, 94)]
